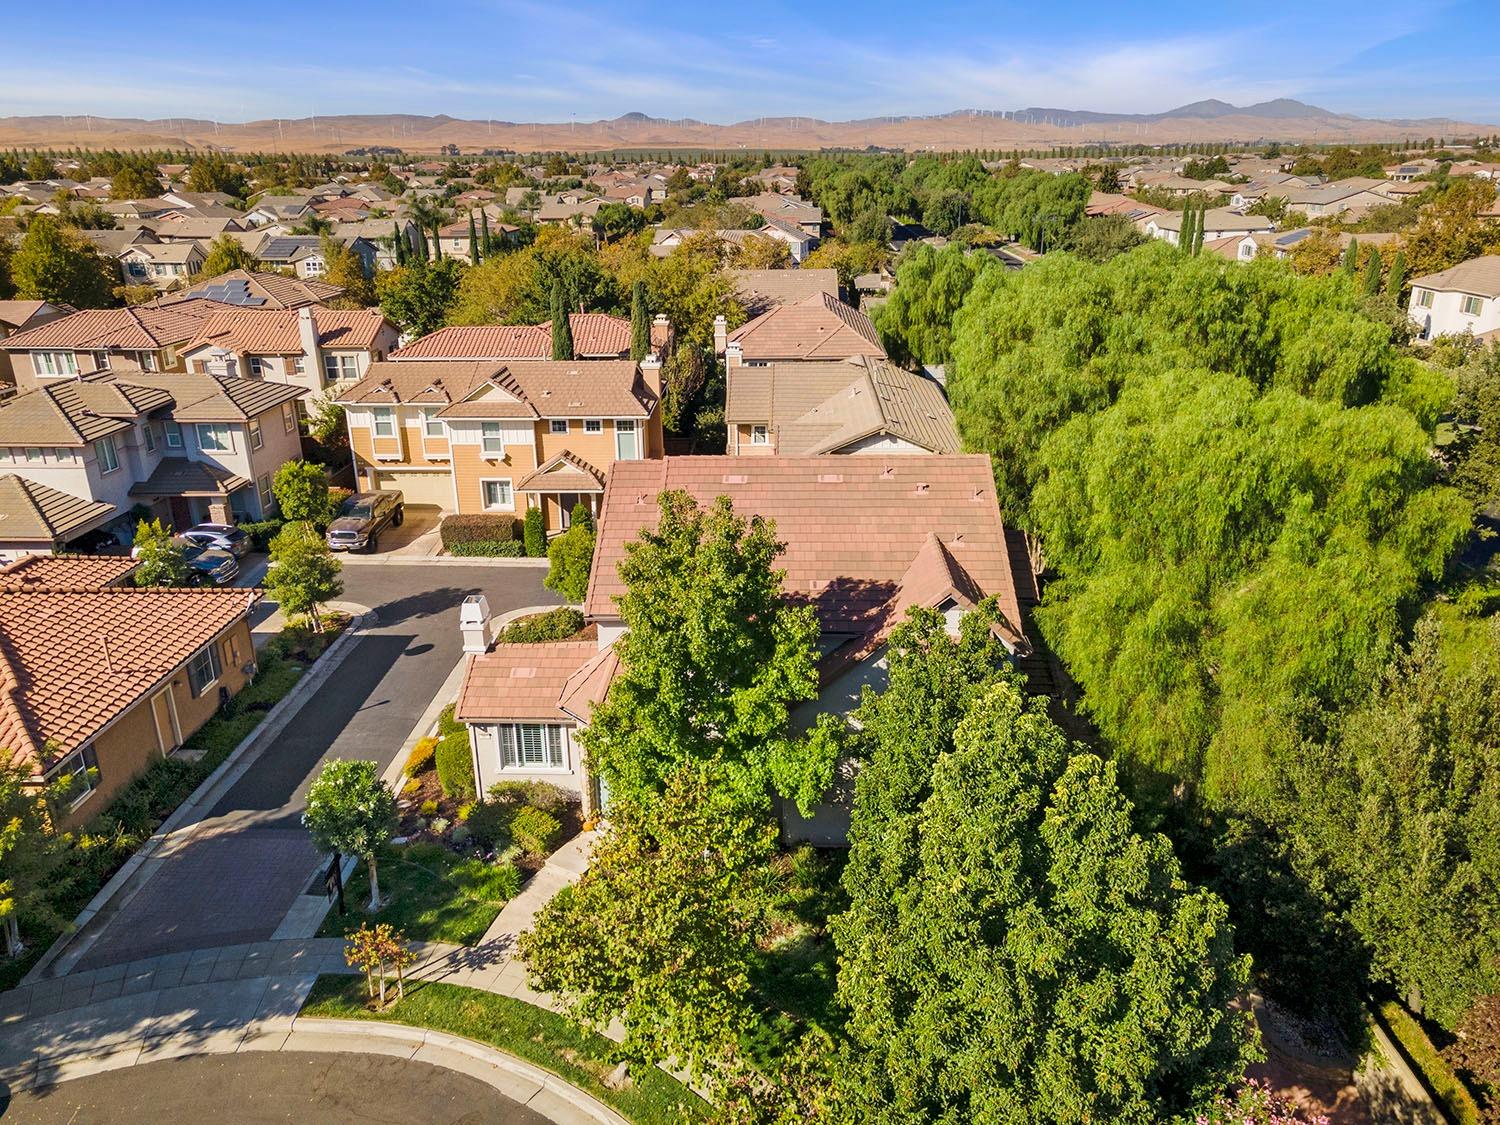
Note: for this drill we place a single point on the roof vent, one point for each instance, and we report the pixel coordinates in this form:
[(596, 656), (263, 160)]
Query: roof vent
[(922, 488), (523, 673), (830, 478), (735, 478), (888, 473), (978, 495)]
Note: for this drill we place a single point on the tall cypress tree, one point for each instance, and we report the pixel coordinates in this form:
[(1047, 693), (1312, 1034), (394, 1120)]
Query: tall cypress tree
[(1185, 235), (422, 254), (1397, 277), (1351, 259), (437, 241), (473, 241), (1198, 229), (562, 327), (484, 232), (398, 244), (640, 322), (1372, 273)]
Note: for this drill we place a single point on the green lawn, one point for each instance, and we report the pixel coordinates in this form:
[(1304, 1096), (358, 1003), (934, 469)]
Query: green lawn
[(540, 1037), (431, 894)]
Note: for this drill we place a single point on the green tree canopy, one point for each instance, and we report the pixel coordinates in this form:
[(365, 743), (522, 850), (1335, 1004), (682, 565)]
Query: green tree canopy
[(416, 296), (1048, 963), (712, 658), (916, 323), (570, 556), (54, 263), (303, 573), (301, 491), (159, 558), (351, 811), (225, 254)]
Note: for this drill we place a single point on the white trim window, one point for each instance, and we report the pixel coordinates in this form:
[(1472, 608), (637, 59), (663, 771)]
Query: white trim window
[(491, 439), (1424, 298), (383, 419), (204, 669), (558, 426), (147, 360), (340, 366), (299, 365), (256, 440), (627, 440), (432, 425), (496, 495), (173, 432), (1470, 305), (54, 363), (82, 765), (260, 367), (148, 432), (760, 435), (288, 416), (263, 486), (104, 450), (532, 746), (593, 425), (214, 437), (34, 455)]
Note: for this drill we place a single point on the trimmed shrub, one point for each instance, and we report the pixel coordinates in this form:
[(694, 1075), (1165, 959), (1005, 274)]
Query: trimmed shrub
[(261, 533), (1451, 1093), (554, 625), (420, 757), (429, 807), (534, 831), (459, 836), (479, 527), (535, 534), (506, 881), (489, 549), (539, 794), (455, 765), (489, 824), (447, 724)]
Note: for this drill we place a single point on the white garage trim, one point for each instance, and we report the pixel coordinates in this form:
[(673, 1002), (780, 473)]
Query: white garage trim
[(432, 487)]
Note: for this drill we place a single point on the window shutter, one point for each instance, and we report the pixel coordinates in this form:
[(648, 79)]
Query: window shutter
[(507, 745), (554, 746)]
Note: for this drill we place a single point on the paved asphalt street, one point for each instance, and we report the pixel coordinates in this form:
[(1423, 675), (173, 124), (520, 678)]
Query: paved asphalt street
[(271, 1088), (235, 879)]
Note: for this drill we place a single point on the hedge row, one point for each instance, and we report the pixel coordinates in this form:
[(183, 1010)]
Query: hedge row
[(478, 528), (1446, 1086)]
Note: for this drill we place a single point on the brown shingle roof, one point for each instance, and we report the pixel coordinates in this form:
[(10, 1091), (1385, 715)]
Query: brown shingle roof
[(567, 472), (198, 397), (823, 407), (72, 659), (33, 513), (179, 476), (521, 681), (74, 412), (276, 331), (821, 327), (142, 328), (533, 388), (852, 525), (275, 290), (1478, 276)]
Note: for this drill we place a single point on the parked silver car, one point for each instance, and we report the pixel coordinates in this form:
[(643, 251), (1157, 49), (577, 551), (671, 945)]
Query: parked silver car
[(218, 537)]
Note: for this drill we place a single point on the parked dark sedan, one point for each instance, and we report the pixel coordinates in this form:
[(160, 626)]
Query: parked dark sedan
[(218, 537), (363, 517), (210, 567)]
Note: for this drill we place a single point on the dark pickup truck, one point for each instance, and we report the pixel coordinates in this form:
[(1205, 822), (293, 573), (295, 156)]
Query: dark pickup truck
[(362, 518)]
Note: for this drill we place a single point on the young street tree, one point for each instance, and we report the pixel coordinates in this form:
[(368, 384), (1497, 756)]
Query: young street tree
[(159, 559), (30, 851), (225, 254), (712, 658), (301, 491), (661, 929), (351, 811), (1036, 905), (303, 573)]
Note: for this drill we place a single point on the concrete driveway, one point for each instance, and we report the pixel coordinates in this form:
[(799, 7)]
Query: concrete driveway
[(235, 876)]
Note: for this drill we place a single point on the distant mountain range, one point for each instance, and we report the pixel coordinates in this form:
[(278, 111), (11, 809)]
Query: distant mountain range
[(1283, 120)]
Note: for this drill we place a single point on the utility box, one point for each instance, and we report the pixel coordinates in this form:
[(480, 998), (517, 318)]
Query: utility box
[(474, 623)]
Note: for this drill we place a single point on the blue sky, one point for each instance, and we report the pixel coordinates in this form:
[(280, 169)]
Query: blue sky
[(528, 60)]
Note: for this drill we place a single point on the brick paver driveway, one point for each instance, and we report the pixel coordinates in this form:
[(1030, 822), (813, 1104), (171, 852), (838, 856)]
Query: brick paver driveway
[(234, 879)]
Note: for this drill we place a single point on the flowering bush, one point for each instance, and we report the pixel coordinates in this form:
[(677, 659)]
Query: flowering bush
[(1255, 1104)]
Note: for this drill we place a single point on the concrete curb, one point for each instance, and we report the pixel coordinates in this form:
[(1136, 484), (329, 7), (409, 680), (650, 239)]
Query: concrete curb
[(538, 1089), (66, 951), (438, 560)]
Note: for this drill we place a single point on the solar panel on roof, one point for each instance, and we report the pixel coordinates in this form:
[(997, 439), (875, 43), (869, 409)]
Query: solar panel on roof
[(235, 291)]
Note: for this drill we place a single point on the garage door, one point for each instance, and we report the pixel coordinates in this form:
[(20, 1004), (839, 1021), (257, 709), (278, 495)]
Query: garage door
[(435, 489)]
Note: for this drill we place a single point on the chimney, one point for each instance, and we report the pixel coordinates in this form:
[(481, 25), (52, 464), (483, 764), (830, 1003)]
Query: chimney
[(474, 623), (307, 330), (660, 321), (721, 334), (651, 371)]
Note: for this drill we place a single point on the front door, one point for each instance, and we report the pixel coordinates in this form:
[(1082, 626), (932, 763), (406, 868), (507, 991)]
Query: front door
[(164, 715), (182, 513)]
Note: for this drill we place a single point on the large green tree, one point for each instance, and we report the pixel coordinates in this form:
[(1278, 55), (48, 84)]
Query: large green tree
[(1049, 963), (712, 658), (417, 295), (31, 849), (225, 254), (54, 263), (916, 323)]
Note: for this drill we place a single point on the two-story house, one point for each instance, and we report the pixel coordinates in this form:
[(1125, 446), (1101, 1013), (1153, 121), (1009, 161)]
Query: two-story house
[(310, 347), (20, 316), (867, 539), (864, 405), (595, 336), (161, 264), (1463, 298), (263, 290), (303, 254), (144, 336), (502, 435), (188, 447), (93, 687)]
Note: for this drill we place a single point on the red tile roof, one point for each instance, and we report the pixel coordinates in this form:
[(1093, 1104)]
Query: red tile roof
[(142, 328), (521, 682), (821, 327), (854, 526), (595, 335), (276, 331), (517, 388), (74, 658)]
